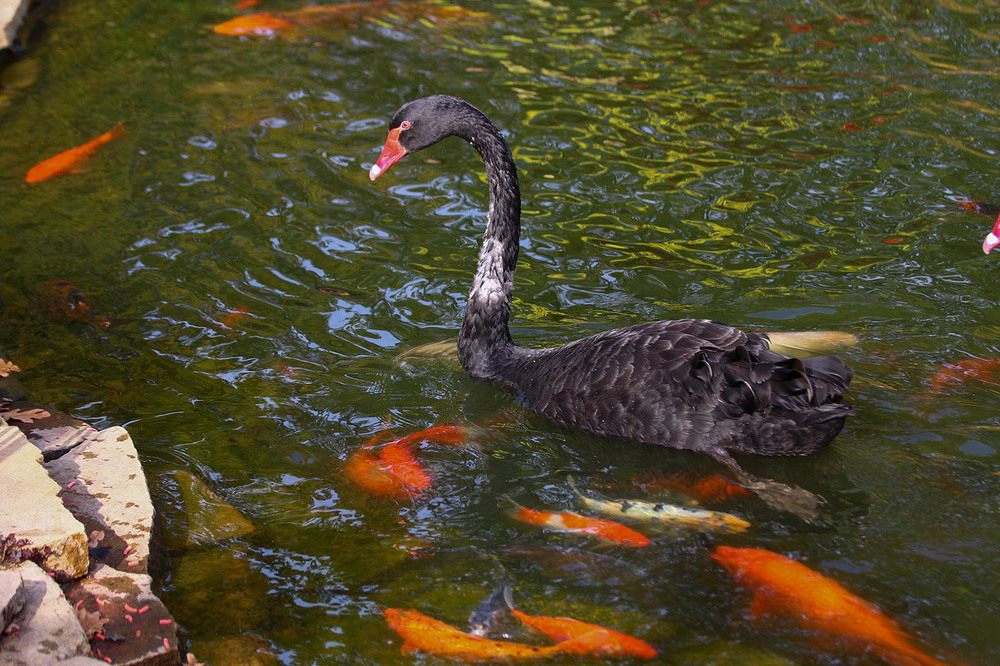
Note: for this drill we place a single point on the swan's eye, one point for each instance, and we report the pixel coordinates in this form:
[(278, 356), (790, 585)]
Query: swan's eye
[(404, 125)]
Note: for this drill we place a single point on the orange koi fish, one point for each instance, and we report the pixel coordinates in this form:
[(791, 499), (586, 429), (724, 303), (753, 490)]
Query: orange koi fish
[(72, 160), (367, 470), (612, 643), (709, 488), (980, 207), (444, 434), (349, 14), (398, 461), (983, 369), (787, 587), (264, 24), (608, 530), (233, 317), (424, 633), (394, 471)]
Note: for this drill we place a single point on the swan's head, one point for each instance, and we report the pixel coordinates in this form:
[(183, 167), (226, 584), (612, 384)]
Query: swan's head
[(420, 123), (993, 238)]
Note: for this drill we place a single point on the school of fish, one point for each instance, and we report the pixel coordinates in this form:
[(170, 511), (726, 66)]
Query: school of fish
[(782, 587)]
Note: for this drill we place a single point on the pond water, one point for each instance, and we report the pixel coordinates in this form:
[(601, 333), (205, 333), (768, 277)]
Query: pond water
[(776, 165)]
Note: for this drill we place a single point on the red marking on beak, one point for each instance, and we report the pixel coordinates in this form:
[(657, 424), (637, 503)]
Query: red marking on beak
[(392, 152)]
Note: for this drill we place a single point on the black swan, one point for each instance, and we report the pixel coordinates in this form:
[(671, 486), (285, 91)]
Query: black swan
[(689, 383)]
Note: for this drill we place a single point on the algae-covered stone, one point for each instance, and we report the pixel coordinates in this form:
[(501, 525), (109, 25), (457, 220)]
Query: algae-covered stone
[(238, 650), (218, 587), (195, 514)]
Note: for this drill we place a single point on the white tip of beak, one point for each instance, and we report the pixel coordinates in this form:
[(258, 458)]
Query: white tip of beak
[(990, 242), (374, 172)]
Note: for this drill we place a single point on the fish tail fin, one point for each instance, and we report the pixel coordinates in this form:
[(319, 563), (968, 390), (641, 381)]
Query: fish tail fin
[(508, 505), (508, 594), (572, 484), (117, 132)]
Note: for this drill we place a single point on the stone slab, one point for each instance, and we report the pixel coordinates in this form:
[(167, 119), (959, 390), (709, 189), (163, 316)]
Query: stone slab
[(135, 627), (31, 509), (12, 13), (104, 487), (12, 596), (52, 431), (48, 629)]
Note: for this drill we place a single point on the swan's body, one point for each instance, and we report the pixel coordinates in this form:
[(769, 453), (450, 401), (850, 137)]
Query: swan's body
[(688, 383)]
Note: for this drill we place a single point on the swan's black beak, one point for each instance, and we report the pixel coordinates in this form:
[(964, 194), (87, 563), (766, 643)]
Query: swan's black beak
[(993, 238), (392, 152)]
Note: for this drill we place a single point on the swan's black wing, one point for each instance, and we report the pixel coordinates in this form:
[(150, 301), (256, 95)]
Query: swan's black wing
[(689, 383)]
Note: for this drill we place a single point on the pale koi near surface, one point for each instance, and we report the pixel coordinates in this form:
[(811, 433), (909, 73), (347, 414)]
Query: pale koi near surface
[(664, 514)]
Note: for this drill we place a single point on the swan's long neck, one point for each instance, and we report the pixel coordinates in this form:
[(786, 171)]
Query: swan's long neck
[(484, 342)]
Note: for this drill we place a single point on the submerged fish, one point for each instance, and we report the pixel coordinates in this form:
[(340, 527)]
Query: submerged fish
[(72, 160), (65, 301), (394, 471), (982, 369), (607, 530), (786, 587), (398, 460), (664, 514), (443, 434), (710, 488), (491, 611), (980, 207), (366, 469)]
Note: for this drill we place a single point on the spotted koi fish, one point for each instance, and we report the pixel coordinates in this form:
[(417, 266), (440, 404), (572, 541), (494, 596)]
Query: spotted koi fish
[(664, 514)]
